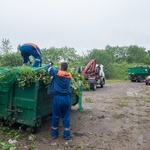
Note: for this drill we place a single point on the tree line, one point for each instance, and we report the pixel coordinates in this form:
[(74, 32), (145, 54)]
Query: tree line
[(116, 59)]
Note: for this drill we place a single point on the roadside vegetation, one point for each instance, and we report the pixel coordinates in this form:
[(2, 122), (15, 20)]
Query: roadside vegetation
[(115, 59)]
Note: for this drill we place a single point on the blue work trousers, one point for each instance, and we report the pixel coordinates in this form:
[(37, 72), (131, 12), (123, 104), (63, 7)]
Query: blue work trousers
[(61, 108), (27, 51)]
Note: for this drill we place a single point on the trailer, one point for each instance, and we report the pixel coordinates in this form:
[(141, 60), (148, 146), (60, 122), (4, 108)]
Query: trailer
[(138, 73)]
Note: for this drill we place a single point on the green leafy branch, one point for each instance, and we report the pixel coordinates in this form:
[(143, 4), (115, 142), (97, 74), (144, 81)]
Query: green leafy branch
[(28, 75)]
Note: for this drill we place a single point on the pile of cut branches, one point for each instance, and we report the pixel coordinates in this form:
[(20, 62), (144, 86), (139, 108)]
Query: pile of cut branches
[(28, 75)]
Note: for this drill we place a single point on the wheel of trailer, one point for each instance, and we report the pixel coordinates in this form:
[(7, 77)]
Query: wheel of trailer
[(102, 83), (139, 79), (133, 80)]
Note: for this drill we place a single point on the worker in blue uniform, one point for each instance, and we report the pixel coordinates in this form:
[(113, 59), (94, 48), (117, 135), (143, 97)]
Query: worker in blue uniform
[(60, 86), (31, 49)]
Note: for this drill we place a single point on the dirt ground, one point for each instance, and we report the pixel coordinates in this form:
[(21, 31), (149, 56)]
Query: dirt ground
[(115, 117)]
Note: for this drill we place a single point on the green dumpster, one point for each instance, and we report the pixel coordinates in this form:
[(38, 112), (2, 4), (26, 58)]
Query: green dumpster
[(32, 105), (28, 105)]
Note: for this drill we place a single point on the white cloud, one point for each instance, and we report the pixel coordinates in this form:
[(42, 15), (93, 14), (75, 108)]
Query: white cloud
[(82, 24)]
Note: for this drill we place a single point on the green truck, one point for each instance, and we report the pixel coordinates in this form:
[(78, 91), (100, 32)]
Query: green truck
[(138, 73)]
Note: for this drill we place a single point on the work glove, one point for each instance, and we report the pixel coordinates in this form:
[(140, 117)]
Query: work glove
[(50, 62)]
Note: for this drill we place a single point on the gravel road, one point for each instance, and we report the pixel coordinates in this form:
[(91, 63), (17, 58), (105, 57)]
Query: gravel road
[(115, 117)]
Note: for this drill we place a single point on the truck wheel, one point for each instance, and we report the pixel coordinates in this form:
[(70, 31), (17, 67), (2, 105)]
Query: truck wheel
[(94, 87), (133, 80), (139, 79)]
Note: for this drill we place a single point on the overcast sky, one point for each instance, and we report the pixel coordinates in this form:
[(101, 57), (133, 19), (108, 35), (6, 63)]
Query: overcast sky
[(81, 24)]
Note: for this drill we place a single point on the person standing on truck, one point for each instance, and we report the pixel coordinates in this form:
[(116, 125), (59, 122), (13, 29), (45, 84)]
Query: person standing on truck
[(31, 49), (60, 86)]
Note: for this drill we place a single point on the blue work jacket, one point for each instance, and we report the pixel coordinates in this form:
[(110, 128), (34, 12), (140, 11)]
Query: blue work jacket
[(60, 83)]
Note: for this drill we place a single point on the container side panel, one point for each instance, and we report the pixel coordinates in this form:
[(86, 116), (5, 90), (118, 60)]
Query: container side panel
[(5, 102)]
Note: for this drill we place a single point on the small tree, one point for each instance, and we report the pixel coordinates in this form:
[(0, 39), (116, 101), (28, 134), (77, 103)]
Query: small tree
[(6, 47)]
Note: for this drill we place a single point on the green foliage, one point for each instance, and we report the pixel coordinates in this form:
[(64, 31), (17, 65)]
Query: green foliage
[(136, 54), (7, 146), (77, 81), (11, 59), (89, 100), (7, 77), (115, 59), (118, 71), (18, 48), (101, 56), (28, 76), (59, 54), (6, 133)]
